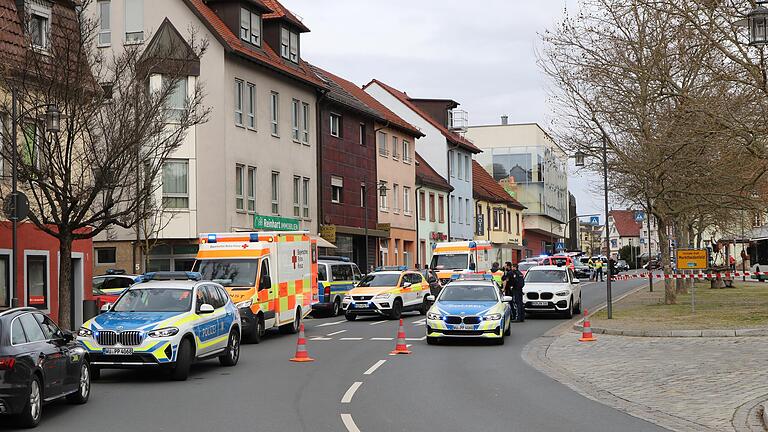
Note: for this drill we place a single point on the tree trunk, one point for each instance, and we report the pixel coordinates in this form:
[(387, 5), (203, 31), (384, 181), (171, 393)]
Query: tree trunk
[(65, 281), (670, 296)]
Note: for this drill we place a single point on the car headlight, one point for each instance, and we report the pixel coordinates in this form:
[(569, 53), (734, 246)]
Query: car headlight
[(383, 296), (164, 332), (562, 293), (433, 316), (492, 317), (347, 298), (244, 304), (84, 332)]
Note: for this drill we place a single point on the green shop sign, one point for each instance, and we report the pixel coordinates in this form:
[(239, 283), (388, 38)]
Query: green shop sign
[(275, 223)]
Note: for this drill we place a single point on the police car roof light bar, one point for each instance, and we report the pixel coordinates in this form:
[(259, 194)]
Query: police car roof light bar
[(170, 275)]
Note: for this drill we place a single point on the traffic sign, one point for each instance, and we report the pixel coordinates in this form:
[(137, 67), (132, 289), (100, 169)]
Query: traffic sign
[(560, 246), (691, 259), (594, 220), (639, 216)]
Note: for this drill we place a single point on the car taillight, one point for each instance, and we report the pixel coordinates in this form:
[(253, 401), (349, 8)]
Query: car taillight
[(327, 291), (6, 363)]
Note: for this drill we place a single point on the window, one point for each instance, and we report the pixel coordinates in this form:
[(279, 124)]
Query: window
[(468, 209), (383, 205), (49, 328), (395, 145), (305, 197), (452, 165), (362, 196), (296, 196), (251, 105), (461, 166), (431, 207), (32, 328), (289, 45), (295, 119), (467, 169), (336, 125), (37, 281), (38, 30), (105, 33), (107, 255), (362, 134), (406, 151), (337, 189), (396, 198), (274, 108), (134, 21), (5, 281), (30, 147), (461, 211), (381, 139), (176, 184), (341, 272), (422, 206), (406, 200), (251, 189), (496, 221), (305, 123), (275, 192), (239, 182), (17, 333), (517, 223), (453, 209), (238, 102), (176, 103), (250, 27), (441, 209)]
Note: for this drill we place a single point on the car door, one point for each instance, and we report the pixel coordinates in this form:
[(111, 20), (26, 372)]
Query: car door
[(69, 351), (223, 316), (46, 354), (410, 292), (206, 328)]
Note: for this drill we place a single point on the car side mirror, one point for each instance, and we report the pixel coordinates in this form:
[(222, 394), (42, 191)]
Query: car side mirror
[(205, 308), (507, 299), (106, 307), (67, 336), (430, 298), (407, 284), (576, 281)]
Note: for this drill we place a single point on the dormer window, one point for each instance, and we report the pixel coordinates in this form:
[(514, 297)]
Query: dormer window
[(289, 45), (250, 27)]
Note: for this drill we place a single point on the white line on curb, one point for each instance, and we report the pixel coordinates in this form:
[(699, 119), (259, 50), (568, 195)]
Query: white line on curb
[(347, 398), (352, 338), (349, 423), (330, 323), (373, 368), (377, 322), (335, 333)]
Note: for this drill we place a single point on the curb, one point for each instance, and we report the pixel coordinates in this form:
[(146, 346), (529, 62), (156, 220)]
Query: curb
[(751, 416), (764, 414)]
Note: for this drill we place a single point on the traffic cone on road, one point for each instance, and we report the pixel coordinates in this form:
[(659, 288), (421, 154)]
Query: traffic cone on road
[(586, 333), (400, 348), (301, 348)]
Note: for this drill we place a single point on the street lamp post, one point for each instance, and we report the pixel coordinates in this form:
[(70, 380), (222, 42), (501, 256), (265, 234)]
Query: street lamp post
[(579, 161), (383, 193), (757, 24)]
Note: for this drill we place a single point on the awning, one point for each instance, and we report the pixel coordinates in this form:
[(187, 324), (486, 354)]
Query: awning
[(323, 243)]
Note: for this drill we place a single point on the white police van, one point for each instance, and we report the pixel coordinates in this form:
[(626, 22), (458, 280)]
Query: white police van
[(167, 319)]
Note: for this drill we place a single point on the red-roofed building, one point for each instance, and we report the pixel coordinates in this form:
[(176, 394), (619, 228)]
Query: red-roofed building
[(499, 217), (431, 203), (625, 230), (257, 154), (443, 147)]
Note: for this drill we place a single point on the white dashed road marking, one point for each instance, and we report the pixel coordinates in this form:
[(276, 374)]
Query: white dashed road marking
[(347, 398), (335, 333), (416, 339), (320, 338), (349, 423), (351, 338), (373, 368), (377, 322), (381, 339), (420, 322), (331, 323)]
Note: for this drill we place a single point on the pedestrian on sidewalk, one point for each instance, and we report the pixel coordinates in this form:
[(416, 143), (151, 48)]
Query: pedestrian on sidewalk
[(732, 262), (599, 269)]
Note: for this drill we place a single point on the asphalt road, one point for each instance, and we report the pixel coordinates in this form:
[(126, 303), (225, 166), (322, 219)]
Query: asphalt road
[(457, 387)]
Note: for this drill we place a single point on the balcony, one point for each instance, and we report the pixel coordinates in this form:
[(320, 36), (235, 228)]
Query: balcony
[(458, 120)]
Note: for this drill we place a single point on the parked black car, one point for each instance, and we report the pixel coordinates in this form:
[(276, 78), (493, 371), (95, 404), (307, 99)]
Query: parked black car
[(581, 270), (38, 363)]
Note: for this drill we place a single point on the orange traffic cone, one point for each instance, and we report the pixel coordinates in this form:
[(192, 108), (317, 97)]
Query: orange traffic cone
[(400, 348), (301, 348), (586, 333)]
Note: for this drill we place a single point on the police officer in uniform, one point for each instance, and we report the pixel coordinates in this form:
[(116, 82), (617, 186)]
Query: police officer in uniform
[(513, 286)]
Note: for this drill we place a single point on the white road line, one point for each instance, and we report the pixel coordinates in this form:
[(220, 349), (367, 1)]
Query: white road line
[(420, 322), (352, 339), (335, 333), (416, 339), (347, 398), (331, 323), (408, 346), (349, 423), (320, 338), (382, 339), (377, 322), (373, 368)]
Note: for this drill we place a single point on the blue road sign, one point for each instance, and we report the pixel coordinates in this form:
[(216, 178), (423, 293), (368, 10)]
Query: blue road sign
[(594, 220), (639, 216), (560, 246)]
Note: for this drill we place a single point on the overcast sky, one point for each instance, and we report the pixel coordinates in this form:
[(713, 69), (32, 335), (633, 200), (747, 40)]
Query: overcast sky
[(481, 54)]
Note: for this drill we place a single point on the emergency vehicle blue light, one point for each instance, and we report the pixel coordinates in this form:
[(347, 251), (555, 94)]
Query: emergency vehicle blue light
[(211, 238), (169, 275), (473, 276), (254, 237), (472, 245)]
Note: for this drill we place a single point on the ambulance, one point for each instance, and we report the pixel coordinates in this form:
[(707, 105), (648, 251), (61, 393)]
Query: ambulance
[(270, 276), (451, 258)]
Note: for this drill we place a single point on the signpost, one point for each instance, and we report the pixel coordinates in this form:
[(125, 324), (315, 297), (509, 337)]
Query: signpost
[(639, 216), (691, 259), (560, 246), (275, 223), (594, 220)]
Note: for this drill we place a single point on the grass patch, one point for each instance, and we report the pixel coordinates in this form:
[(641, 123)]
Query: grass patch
[(744, 306)]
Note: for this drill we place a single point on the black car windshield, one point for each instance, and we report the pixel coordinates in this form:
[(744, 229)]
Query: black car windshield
[(380, 280), (450, 262), (229, 272), (483, 293), (525, 266), (154, 300), (546, 276)]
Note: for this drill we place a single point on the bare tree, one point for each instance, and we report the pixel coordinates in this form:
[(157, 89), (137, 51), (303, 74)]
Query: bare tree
[(121, 120)]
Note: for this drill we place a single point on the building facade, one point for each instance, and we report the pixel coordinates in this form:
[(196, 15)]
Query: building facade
[(624, 230), (527, 162), (499, 217), (242, 165), (431, 205), (590, 238), (443, 147)]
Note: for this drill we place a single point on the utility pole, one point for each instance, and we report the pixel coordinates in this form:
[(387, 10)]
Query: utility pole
[(648, 221), (608, 294)]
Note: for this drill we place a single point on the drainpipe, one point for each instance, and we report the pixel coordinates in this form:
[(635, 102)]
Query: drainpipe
[(418, 239), (450, 195)]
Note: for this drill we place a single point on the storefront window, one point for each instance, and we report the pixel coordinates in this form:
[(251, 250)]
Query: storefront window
[(37, 281)]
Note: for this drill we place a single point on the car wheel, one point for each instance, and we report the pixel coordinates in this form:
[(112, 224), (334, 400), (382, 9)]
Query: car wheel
[(432, 340), (84, 389), (257, 333), (508, 331), (397, 309), (424, 306), (336, 311), (293, 327), (499, 341), (232, 355), (180, 371), (577, 308), (569, 312), (350, 316), (33, 410)]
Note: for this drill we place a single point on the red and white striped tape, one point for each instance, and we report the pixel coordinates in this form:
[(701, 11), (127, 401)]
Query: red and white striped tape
[(689, 276)]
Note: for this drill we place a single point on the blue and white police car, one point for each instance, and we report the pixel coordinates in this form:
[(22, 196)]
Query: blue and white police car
[(469, 307), (167, 319)]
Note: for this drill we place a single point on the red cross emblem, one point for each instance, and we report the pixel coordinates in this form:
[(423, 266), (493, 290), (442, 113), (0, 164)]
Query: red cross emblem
[(294, 259), (244, 246)]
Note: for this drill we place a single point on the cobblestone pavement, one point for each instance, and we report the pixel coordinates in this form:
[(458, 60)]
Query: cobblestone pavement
[(680, 383)]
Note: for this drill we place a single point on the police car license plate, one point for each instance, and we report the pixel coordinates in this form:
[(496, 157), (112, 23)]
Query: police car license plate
[(539, 303), (118, 351), (360, 305), (464, 327)]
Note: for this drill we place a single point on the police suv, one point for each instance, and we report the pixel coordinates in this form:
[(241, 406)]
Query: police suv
[(167, 319)]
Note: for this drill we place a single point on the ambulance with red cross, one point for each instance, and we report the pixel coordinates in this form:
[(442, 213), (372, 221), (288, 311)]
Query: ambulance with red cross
[(270, 276), (450, 259)]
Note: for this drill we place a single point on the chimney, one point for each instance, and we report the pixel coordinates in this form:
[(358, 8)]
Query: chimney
[(504, 120)]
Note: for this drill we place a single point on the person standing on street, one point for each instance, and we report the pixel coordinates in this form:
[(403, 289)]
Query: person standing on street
[(506, 279), (599, 269), (591, 265), (517, 293)]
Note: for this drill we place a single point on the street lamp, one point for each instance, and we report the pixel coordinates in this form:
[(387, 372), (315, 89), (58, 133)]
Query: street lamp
[(383, 193), (579, 158), (757, 23)]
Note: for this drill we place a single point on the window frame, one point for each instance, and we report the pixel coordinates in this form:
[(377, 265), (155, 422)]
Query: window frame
[(334, 116), (184, 195), (274, 111), (306, 119), (395, 145), (131, 36), (96, 258), (431, 207), (45, 20), (239, 184), (407, 201), (295, 113), (337, 189), (104, 31), (250, 185), (5, 255), (275, 192), (47, 280), (452, 163), (422, 203), (395, 198), (250, 28), (407, 152), (251, 105), (441, 208), (305, 187), (289, 49), (239, 84), (383, 200), (296, 196), (362, 130), (381, 143)]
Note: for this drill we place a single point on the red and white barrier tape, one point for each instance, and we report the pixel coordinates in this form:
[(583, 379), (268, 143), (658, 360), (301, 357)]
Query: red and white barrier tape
[(690, 276)]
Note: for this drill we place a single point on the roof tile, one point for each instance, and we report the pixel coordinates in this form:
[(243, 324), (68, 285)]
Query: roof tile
[(486, 188), (427, 176), (625, 223)]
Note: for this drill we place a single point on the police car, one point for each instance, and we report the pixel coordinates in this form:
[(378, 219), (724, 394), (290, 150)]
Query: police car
[(469, 307), (388, 292), (167, 319)]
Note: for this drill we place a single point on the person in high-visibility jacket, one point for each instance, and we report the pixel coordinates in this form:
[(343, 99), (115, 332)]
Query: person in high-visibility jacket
[(591, 265), (497, 273), (599, 269)]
